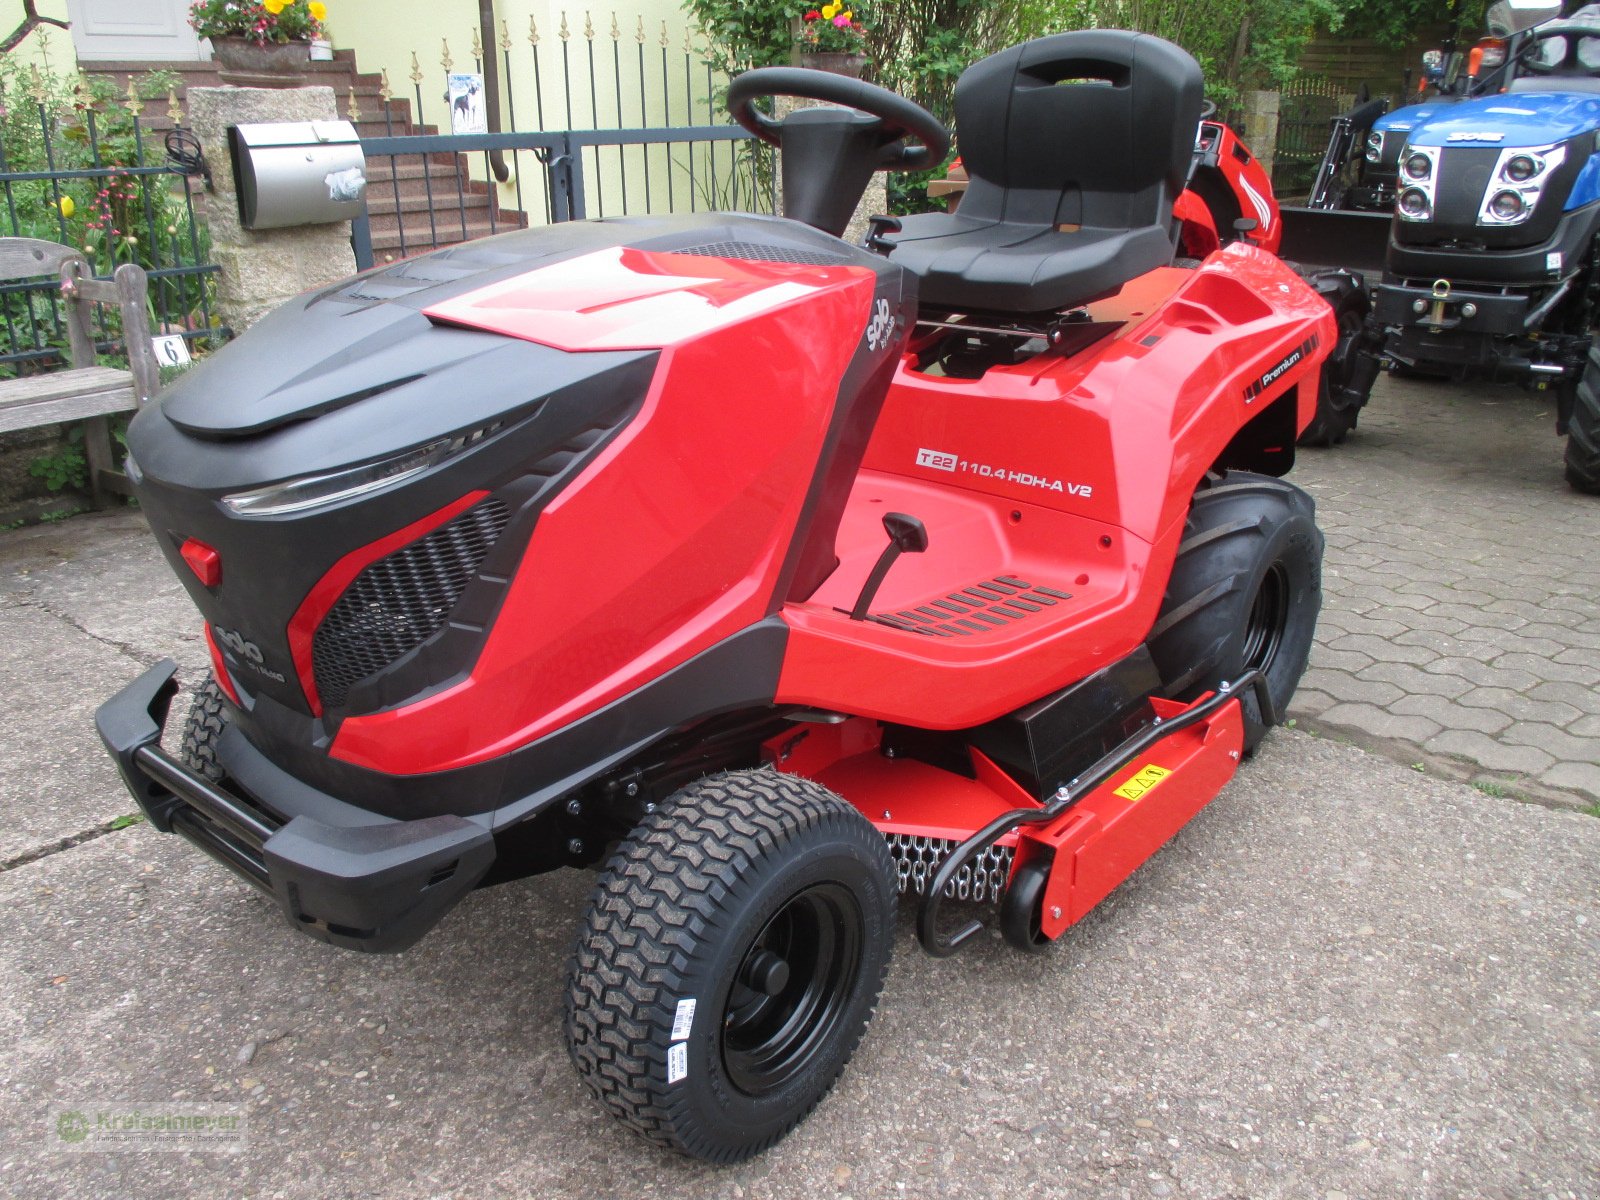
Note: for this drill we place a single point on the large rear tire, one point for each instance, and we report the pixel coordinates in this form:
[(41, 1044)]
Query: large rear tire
[(1244, 593), (1583, 429), (733, 952)]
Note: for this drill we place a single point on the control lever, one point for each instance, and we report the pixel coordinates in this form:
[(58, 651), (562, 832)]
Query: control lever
[(907, 535)]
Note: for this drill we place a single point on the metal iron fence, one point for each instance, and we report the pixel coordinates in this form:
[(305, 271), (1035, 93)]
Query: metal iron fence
[(596, 124), (1306, 109), (88, 176)]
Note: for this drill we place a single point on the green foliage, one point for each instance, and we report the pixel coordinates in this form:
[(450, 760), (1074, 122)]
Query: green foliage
[(1238, 43), (280, 21), (1396, 22), (52, 122), (66, 467), (742, 34)]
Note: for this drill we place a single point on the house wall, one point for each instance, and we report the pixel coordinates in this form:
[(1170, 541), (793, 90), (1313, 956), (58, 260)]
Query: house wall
[(46, 44), (386, 33)]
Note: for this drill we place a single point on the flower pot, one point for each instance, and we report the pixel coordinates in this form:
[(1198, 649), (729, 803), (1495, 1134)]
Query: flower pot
[(837, 61), (243, 63)]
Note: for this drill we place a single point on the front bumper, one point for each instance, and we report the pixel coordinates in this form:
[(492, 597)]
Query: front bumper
[(341, 874)]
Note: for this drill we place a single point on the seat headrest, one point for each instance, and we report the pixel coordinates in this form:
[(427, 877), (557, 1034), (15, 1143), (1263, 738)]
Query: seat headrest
[(1098, 110)]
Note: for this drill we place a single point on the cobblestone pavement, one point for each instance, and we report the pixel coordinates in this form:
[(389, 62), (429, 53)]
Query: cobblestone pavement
[(1461, 624)]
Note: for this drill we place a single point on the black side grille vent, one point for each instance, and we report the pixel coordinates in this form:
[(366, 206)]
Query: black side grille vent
[(756, 252), (400, 601), (983, 607)]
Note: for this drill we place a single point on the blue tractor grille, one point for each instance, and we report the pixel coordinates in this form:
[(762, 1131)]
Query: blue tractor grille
[(400, 601)]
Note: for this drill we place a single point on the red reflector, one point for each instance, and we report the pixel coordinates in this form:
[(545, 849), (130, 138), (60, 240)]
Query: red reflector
[(204, 561)]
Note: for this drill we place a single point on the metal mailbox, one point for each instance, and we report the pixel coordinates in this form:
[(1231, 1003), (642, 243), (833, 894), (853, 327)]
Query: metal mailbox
[(297, 173)]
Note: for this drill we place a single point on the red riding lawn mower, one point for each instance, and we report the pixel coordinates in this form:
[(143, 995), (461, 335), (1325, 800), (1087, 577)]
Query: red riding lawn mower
[(770, 575)]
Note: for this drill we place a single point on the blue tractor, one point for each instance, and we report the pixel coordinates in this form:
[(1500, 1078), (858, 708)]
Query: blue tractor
[(1492, 269)]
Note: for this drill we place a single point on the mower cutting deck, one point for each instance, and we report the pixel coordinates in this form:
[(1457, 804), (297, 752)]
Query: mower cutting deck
[(707, 552)]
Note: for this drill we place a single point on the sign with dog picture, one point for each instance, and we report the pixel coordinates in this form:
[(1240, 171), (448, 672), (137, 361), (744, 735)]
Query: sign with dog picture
[(467, 113)]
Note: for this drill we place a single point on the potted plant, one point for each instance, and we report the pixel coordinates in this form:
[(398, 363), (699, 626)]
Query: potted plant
[(260, 43), (832, 38)]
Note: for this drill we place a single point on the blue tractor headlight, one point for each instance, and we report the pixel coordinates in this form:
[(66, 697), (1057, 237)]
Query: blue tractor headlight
[(1374, 147), (1517, 182), (1419, 175)]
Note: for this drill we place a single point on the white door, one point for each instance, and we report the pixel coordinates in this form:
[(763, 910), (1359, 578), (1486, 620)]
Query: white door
[(132, 30)]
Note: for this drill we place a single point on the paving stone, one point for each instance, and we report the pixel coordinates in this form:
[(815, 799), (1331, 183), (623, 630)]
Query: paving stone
[(1348, 688), (1380, 722), (1557, 743), (1375, 649), (1578, 776), (1585, 674), (1333, 658), (1449, 714), (1308, 702), (1415, 682), (1479, 616), (1520, 707), (1449, 645), (1575, 694), (1481, 673), (1586, 727), (1489, 752)]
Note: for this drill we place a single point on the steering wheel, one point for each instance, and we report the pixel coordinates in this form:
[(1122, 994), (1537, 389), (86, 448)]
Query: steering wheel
[(1563, 29), (898, 118)]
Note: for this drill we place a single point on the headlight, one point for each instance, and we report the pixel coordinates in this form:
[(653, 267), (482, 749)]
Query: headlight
[(1414, 205), (1418, 166), (1374, 147), (1522, 168), (308, 491), (1506, 206), (1519, 178)]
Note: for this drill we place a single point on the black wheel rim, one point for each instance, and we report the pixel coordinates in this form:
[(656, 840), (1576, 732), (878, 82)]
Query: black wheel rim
[(779, 1019), (1269, 616)]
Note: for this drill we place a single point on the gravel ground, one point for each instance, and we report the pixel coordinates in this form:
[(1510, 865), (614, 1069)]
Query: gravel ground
[(1343, 979)]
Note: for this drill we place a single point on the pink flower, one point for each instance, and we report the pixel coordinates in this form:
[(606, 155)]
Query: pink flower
[(841, 21)]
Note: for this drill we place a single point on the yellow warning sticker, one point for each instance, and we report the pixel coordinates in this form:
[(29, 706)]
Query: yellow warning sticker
[(1143, 780)]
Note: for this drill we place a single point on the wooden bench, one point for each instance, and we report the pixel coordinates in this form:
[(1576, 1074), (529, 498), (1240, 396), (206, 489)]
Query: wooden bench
[(84, 391)]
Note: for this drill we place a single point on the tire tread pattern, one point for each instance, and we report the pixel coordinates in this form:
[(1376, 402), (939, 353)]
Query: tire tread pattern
[(659, 900)]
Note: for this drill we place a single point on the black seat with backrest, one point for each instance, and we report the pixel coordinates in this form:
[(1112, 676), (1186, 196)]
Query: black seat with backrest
[(1075, 146)]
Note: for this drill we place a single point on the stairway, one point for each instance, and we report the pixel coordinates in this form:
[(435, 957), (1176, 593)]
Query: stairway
[(400, 192)]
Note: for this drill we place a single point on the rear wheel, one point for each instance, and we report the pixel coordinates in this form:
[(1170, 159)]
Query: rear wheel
[(208, 717), (733, 952), (1583, 430), (1244, 593), (1336, 413)]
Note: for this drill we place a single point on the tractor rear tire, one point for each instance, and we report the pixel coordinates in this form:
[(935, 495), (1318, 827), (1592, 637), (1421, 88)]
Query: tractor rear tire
[(208, 717), (1244, 593), (1583, 430), (732, 955), (1333, 421)]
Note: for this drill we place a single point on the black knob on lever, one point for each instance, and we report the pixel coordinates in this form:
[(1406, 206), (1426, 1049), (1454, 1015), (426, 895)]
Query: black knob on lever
[(876, 228), (907, 535)]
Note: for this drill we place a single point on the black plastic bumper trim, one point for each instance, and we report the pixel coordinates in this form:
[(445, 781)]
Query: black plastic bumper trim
[(376, 887)]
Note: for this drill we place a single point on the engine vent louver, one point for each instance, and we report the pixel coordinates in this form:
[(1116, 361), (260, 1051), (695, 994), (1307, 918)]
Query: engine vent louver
[(400, 601), (756, 252)]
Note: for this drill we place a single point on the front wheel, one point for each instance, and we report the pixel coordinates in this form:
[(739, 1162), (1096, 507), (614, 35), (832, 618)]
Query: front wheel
[(733, 952), (1583, 430), (208, 717), (1337, 409), (1244, 593)]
